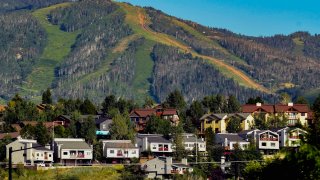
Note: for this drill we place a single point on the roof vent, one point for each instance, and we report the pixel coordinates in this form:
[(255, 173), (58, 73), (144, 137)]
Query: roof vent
[(290, 104), (258, 104)]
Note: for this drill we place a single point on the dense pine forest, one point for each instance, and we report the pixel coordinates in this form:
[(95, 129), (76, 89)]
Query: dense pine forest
[(90, 48)]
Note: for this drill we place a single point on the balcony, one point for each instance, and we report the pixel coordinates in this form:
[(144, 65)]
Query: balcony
[(268, 139), (294, 137)]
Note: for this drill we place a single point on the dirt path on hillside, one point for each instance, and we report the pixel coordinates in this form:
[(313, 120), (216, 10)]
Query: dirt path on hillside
[(240, 74)]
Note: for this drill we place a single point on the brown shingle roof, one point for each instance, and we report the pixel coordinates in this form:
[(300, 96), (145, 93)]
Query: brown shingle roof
[(2, 108), (143, 112), (12, 135), (250, 108), (169, 112), (302, 108)]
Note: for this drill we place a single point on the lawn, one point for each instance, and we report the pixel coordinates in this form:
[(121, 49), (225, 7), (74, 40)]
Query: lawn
[(58, 46)]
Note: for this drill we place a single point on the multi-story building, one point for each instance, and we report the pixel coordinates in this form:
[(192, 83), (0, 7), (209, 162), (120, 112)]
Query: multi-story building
[(219, 122), (291, 137), (296, 113), (35, 153), (154, 143), (162, 167), (140, 116), (191, 141), (267, 141), (72, 151), (231, 140), (119, 149)]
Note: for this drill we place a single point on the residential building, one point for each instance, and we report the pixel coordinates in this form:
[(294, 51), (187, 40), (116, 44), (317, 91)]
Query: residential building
[(154, 143), (216, 121), (231, 140), (33, 155), (267, 141), (72, 151), (219, 122), (291, 137), (162, 167), (119, 149), (103, 126), (12, 135), (296, 113), (140, 116), (191, 140)]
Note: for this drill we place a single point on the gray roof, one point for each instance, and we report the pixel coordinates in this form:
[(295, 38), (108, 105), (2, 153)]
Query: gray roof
[(243, 115), (103, 119), (180, 165), (230, 137), (158, 140), (119, 145), (214, 116), (74, 145), (192, 139), (39, 147)]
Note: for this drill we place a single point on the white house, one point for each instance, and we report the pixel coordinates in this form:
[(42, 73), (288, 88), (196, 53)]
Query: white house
[(119, 149), (36, 154), (72, 151), (154, 143), (267, 141), (230, 140), (291, 137), (190, 141)]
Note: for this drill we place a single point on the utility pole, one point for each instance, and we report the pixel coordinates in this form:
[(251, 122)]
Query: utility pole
[(196, 150), (10, 163)]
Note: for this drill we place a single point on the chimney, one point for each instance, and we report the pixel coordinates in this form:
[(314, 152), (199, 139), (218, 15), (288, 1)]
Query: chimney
[(168, 165), (290, 104), (258, 104), (184, 161), (225, 142), (145, 144)]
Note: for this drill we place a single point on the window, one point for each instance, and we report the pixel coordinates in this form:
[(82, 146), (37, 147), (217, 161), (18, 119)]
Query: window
[(185, 145), (126, 152), (88, 153), (303, 114), (134, 151), (217, 122), (103, 126), (24, 154), (154, 147), (111, 151), (264, 144), (65, 153), (37, 154), (273, 144), (49, 155)]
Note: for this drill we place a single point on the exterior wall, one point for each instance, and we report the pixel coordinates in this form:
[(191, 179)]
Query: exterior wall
[(154, 165), (46, 156), (247, 123), (267, 140), (121, 153), (190, 146), (17, 157), (104, 126), (76, 154), (160, 147), (242, 145)]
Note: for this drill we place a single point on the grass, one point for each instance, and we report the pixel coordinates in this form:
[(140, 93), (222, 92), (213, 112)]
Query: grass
[(138, 20), (81, 173), (143, 69), (299, 45), (58, 46)]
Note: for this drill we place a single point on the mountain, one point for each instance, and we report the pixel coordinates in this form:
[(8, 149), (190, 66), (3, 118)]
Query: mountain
[(93, 48)]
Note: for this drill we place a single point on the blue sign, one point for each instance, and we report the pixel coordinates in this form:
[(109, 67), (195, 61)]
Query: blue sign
[(102, 132)]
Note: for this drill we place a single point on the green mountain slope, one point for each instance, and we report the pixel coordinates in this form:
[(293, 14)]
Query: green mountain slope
[(100, 47)]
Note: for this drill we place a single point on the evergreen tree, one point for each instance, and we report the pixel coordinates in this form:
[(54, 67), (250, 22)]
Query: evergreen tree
[(176, 100), (41, 134), (109, 103), (121, 128), (233, 105), (178, 143), (87, 107), (158, 126), (234, 125), (301, 100), (46, 97)]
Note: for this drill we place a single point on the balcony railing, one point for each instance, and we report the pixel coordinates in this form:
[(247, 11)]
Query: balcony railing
[(268, 139), (294, 137)]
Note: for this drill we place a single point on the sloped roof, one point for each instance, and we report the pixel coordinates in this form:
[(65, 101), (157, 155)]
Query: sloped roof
[(39, 147), (302, 108), (124, 145), (143, 112), (158, 140), (74, 145), (101, 120), (250, 108), (2, 108), (12, 135), (212, 116), (231, 137), (192, 139), (169, 112)]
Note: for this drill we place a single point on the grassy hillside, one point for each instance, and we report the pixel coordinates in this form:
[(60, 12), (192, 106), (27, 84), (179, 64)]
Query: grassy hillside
[(140, 26), (57, 47)]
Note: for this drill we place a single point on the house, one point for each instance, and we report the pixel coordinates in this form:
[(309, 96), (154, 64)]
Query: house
[(162, 167), (267, 141), (216, 121), (36, 153), (72, 151), (291, 137), (2, 109), (231, 140), (154, 143), (140, 116), (103, 124), (296, 113), (119, 149), (191, 140), (219, 122)]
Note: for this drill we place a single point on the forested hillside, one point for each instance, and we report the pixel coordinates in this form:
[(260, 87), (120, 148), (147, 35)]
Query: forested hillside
[(92, 48)]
